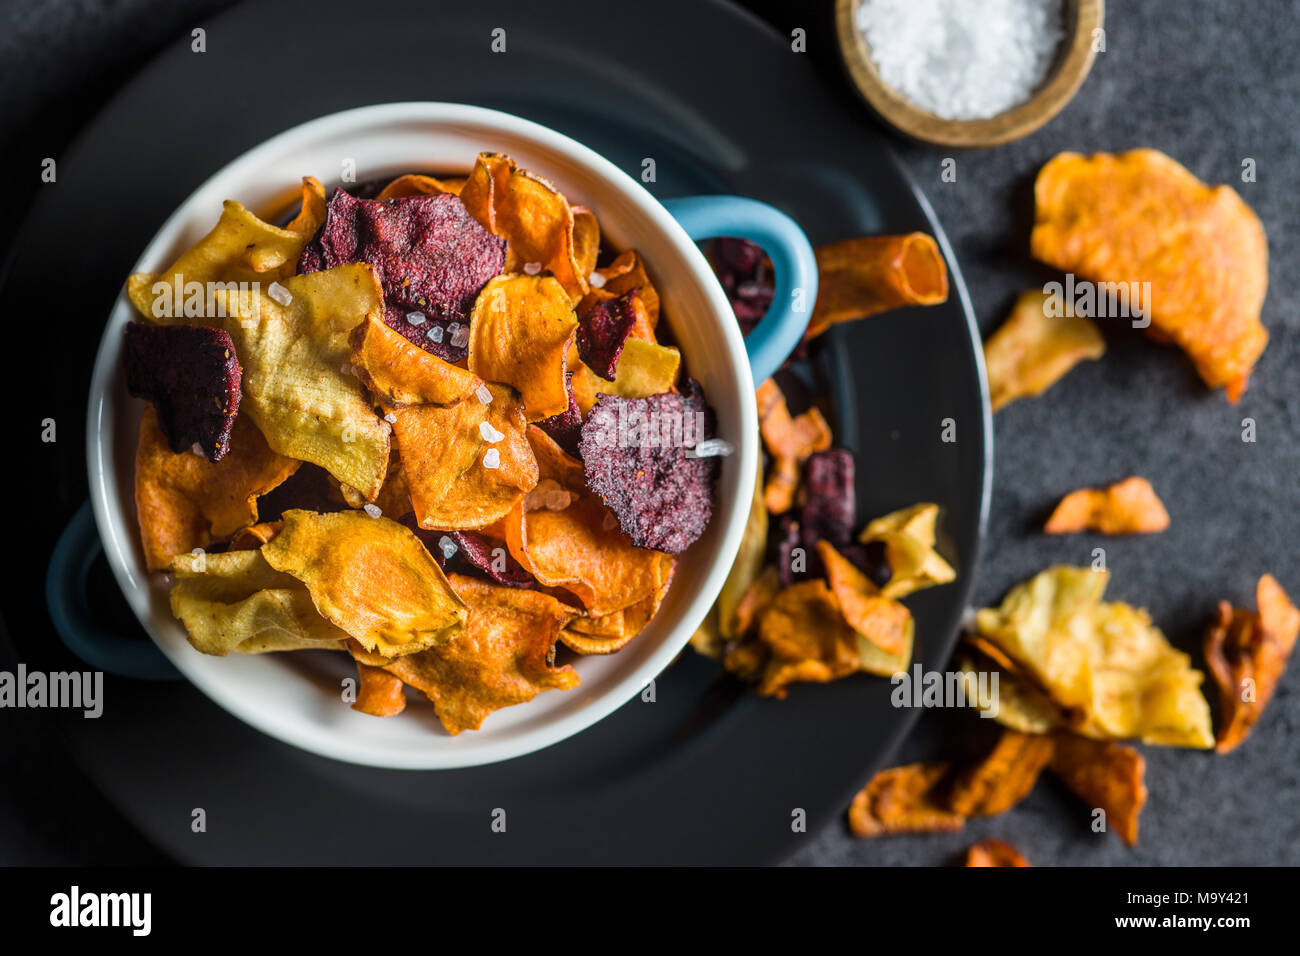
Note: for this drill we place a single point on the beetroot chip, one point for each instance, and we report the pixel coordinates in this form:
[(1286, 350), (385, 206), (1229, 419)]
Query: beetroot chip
[(746, 276), (787, 541), (192, 377), (635, 457), (471, 552), (602, 331), (566, 427), (830, 508), (431, 257)]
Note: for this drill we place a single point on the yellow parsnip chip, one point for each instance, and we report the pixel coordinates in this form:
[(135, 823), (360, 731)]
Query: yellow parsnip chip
[(908, 536), (1036, 346), (371, 577)]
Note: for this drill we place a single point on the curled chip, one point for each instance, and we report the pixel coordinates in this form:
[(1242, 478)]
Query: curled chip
[(1105, 775), (295, 386), (1003, 778), (637, 456), (399, 373), (501, 658), (379, 693), (604, 328), (241, 250), (466, 464), (790, 440), (1126, 507), (532, 216), (625, 273), (192, 377), (566, 427), (1039, 343), (183, 501), (993, 852), (414, 184), (586, 240), (1246, 653), (605, 634), (1188, 261), (370, 577), (807, 638), (236, 603), (311, 210), (519, 336), (862, 277), (908, 536), (430, 255), (254, 536), (1106, 663), (882, 621), (902, 800)]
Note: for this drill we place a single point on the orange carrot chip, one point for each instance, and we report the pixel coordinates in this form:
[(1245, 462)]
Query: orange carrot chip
[(862, 277), (183, 501), (311, 214), (414, 184), (902, 800), (1130, 506), (994, 852), (1246, 652), (626, 273), (254, 536), (1139, 221), (808, 638), (502, 657), (1003, 778), (1036, 346), (370, 577), (1107, 776), (533, 217), (520, 333), (400, 373), (379, 693), (790, 440), (881, 620)]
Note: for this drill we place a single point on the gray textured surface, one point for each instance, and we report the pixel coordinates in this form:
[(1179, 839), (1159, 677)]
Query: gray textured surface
[(1208, 82)]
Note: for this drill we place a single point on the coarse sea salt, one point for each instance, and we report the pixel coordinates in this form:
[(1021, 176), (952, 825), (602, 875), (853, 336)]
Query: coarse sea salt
[(279, 293), (597, 280), (372, 510), (492, 458), (484, 394), (960, 59)]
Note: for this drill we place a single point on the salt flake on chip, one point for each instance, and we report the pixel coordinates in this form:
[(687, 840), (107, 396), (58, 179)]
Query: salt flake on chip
[(447, 546), (434, 334), (489, 433), (372, 509), (483, 394), (279, 293), (492, 458), (597, 280), (532, 268), (712, 448), (415, 318)]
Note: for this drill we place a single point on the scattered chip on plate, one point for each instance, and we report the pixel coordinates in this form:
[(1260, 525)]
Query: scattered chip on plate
[(1106, 776), (1036, 346), (994, 852), (1130, 506), (909, 537), (790, 440), (1140, 220), (903, 800), (1003, 778), (862, 277)]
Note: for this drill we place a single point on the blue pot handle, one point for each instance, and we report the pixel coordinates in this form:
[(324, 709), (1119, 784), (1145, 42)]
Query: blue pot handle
[(65, 596), (775, 337)]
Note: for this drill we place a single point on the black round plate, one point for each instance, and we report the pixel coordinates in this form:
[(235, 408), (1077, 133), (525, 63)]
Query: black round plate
[(707, 773)]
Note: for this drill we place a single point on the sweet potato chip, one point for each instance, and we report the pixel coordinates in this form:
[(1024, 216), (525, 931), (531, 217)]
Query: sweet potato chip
[(532, 216), (254, 536), (399, 373), (1141, 218), (1003, 778), (882, 621), (1108, 662), (296, 388), (183, 501), (371, 577), (994, 852), (520, 333), (379, 693), (808, 639), (240, 249), (580, 548), (586, 240), (862, 277), (1107, 776), (902, 800), (1036, 346), (466, 464), (236, 603), (755, 600), (625, 273), (1130, 506), (311, 213), (499, 660), (1247, 653), (414, 184), (612, 632), (789, 440), (909, 535)]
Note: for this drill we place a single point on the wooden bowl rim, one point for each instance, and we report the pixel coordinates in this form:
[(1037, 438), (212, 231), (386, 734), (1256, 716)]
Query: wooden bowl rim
[(921, 124)]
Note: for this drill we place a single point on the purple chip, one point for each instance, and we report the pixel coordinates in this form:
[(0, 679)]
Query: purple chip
[(603, 330), (787, 541), (635, 457), (830, 508), (192, 377), (491, 557), (746, 277), (431, 256), (566, 427)]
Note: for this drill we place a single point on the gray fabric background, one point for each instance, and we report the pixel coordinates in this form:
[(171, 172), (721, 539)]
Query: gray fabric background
[(1211, 82)]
